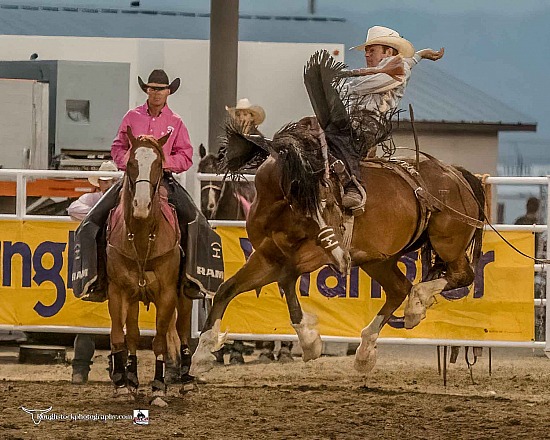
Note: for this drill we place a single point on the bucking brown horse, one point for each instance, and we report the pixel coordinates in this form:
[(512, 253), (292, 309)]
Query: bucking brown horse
[(438, 208), (143, 264)]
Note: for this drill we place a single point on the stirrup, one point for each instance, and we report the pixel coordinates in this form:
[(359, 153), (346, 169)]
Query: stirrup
[(360, 209)]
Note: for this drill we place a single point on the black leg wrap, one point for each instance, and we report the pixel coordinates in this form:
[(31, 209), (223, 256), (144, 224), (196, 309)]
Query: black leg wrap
[(118, 372), (185, 364), (158, 382), (132, 372)]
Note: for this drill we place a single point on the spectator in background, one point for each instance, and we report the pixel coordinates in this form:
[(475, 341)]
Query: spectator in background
[(84, 344), (531, 215)]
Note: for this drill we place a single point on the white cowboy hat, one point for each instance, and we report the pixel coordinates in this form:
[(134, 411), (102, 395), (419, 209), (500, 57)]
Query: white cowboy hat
[(244, 104), (105, 166), (387, 37)]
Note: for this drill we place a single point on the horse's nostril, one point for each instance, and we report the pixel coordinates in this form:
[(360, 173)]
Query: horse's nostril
[(135, 202)]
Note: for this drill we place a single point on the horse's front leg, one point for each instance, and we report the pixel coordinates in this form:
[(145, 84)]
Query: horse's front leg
[(304, 323), (166, 305), (259, 270), (117, 365), (132, 340)]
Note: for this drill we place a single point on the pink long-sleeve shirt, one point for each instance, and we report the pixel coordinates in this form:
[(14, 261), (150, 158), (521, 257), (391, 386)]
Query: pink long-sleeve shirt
[(178, 152)]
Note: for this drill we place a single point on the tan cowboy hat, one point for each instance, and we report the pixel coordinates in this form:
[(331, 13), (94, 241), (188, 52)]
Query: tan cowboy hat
[(387, 37), (159, 78), (244, 104), (105, 166)]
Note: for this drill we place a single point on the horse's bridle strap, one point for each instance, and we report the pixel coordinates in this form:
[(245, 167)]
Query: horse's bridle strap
[(211, 186)]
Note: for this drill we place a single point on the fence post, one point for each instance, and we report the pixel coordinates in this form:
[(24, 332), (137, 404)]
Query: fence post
[(547, 269), (21, 195)]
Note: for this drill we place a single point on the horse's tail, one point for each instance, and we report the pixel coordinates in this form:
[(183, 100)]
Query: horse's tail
[(302, 167), (479, 193)]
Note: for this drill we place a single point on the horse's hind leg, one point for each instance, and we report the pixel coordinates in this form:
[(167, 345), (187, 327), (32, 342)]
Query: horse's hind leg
[(166, 305), (458, 273), (304, 323), (396, 286), (132, 340), (183, 326)]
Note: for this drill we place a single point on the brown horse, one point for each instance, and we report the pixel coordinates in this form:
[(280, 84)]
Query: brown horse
[(143, 264), (402, 214)]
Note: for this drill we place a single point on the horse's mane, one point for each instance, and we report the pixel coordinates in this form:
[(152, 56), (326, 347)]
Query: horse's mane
[(302, 166)]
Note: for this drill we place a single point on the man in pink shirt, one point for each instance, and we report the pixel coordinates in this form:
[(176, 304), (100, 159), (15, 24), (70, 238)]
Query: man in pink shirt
[(202, 270), (153, 118)]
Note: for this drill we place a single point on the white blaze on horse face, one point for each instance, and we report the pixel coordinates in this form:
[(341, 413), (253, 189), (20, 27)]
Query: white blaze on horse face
[(142, 198), (212, 200)]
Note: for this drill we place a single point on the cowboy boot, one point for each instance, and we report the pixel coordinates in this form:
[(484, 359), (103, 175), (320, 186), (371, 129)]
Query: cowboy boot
[(352, 197)]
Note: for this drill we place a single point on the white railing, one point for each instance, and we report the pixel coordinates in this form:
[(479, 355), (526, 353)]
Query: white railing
[(22, 176)]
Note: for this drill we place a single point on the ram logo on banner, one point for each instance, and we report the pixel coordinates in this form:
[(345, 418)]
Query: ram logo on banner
[(498, 307)]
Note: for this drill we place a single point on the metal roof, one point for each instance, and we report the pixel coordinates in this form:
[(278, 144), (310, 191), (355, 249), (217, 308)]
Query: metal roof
[(439, 97), (436, 95)]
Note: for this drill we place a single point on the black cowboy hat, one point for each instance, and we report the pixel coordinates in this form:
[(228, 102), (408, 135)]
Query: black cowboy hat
[(158, 78)]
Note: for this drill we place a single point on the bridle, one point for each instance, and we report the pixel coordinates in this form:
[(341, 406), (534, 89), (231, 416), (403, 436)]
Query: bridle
[(152, 235), (210, 186)]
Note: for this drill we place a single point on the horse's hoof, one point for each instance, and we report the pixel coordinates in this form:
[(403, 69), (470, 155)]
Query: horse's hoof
[(158, 401), (412, 320), (414, 312), (313, 350), (365, 355), (201, 364)]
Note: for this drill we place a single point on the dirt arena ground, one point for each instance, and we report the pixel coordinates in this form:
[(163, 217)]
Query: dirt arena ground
[(404, 398)]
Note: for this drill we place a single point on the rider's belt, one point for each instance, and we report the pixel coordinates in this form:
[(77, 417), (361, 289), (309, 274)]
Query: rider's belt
[(327, 239)]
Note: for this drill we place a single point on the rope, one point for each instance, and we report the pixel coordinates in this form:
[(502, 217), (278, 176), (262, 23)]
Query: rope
[(482, 208)]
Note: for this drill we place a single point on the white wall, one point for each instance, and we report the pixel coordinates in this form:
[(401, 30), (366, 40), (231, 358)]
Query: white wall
[(477, 153), (270, 74)]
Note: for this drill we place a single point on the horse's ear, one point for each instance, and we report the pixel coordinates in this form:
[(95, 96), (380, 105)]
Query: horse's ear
[(163, 139), (130, 135), (202, 151)]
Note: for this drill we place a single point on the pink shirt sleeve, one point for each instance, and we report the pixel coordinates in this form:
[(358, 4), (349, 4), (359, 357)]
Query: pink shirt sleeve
[(181, 157), (121, 146)]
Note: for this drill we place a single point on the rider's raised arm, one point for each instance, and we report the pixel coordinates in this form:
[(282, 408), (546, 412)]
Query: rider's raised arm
[(181, 157), (430, 54), (389, 75)]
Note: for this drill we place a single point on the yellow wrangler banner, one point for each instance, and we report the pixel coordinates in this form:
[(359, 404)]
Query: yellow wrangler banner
[(498, 307), (35, 290), (36, 285)]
